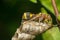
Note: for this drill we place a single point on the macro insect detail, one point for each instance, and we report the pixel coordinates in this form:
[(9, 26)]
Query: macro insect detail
[(32, 25)]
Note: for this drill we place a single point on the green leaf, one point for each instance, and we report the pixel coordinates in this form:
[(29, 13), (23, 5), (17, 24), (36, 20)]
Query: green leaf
[(48, 4), (58, 17), (34, 1), (52, 34), (43, 10)]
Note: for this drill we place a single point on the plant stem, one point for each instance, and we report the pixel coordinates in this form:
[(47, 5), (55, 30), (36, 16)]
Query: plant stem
[(55, 8), (56, 12)]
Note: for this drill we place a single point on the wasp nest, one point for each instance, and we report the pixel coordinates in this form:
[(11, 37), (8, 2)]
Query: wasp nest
[(29, 29)]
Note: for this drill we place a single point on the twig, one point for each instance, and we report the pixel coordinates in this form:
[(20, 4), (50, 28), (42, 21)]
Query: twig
[(55, 8), (56, 12)]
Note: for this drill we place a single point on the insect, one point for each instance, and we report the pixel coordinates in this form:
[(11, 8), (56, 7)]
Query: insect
[(40, 17)]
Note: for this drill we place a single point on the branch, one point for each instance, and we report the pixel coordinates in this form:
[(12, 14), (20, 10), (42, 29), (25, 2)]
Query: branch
[(55, 8), (56, 13)]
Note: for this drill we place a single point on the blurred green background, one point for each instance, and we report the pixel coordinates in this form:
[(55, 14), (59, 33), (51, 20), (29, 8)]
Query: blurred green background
[(11, 12)]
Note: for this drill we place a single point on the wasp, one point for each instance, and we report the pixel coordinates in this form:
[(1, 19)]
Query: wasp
[(39, 17), (29, 15)]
